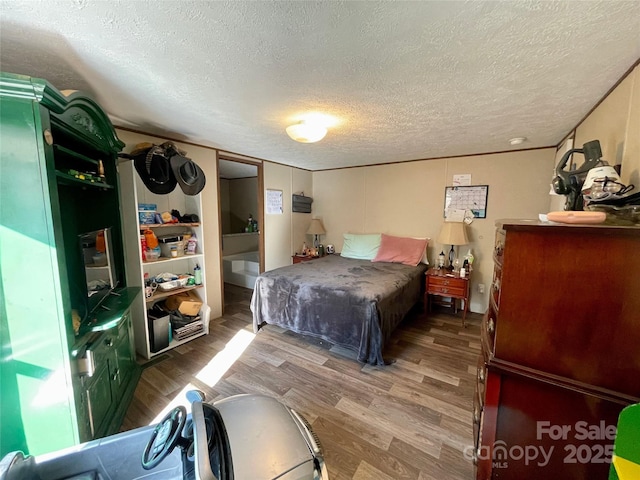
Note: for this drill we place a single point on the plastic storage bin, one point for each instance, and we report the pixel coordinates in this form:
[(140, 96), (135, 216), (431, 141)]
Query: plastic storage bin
[(147, 213), (159, 325), (168, 241)]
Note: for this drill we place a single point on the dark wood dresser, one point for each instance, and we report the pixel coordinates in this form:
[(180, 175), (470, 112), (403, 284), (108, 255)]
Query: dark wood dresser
[(560, 350)]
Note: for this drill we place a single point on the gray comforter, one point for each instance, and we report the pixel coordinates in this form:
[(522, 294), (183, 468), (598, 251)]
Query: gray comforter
[(352, 303)]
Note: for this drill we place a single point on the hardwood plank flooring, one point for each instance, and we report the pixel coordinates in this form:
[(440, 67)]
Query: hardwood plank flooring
[(408, 420)]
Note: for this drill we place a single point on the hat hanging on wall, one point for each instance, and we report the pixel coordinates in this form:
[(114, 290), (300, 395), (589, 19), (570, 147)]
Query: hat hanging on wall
[(154, 169), (189, 175), (162, 167)]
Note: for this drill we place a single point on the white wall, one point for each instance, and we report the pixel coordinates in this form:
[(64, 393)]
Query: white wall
[(243, 201), (407, 199), (277, 228), (301, 182), (285, 233), (616, 124)]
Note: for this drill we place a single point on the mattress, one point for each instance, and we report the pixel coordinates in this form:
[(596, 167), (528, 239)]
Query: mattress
[(356, 304)]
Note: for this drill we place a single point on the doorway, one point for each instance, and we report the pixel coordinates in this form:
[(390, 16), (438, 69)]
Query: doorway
[(240, 186)]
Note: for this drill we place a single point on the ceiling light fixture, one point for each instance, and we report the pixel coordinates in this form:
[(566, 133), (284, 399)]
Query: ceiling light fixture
[(518, 140), (305, 132)]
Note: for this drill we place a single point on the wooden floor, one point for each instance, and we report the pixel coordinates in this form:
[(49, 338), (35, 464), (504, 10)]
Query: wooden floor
[(407, 420)]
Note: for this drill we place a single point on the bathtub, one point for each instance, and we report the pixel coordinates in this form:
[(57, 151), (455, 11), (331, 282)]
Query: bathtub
[(241, 269)]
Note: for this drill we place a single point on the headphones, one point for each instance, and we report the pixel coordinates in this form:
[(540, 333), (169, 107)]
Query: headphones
[(570, 183)]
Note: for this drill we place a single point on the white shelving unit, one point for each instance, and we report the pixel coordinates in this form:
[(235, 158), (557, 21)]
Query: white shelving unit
[(133, 192)]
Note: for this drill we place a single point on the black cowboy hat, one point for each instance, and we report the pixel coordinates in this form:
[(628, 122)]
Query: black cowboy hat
[(189, 175), (154, 169)]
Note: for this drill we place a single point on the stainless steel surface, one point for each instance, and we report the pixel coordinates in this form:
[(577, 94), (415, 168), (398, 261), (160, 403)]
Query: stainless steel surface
[(86, 365), (265, 440)]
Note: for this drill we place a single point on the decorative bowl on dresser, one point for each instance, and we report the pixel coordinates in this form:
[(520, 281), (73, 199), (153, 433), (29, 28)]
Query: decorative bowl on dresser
[(559, 354)]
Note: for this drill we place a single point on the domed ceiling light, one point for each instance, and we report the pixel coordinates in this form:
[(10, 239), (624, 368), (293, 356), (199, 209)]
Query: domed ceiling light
[(306, 132), (518, 140)]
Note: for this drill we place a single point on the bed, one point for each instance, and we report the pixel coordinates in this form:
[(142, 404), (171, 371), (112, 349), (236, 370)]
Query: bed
[(353, 303)]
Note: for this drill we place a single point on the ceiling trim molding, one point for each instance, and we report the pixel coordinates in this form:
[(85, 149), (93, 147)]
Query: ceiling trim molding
[(439, 158), (167, 136), (615, 85), (233, 157)]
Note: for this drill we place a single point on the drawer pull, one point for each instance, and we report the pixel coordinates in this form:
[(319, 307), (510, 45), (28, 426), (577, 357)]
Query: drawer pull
[(481, 375), (115, 375), (475, 456), (445, 290), (492, 326), (109, 342), (446, 282)]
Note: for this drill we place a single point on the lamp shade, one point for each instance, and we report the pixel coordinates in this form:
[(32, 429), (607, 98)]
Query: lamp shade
[(453, 233), (316, 227), (304, 132)]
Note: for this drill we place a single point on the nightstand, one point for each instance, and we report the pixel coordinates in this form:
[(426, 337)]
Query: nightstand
[(443, 283), (302, 258)]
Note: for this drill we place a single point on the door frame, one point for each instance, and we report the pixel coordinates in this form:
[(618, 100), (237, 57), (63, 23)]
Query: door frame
[(259, 214)]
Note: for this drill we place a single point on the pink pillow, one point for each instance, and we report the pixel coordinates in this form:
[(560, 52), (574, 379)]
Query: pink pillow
[(405, 250)]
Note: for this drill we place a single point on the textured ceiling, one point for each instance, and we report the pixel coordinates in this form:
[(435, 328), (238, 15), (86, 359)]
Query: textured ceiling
[(406, 80)]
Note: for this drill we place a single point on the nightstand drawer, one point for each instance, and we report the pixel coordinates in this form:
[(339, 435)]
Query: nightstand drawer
[(302, 258), (442, 281), (447, 290)]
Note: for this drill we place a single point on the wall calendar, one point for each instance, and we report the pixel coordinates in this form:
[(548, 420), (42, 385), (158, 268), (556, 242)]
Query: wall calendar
[(468, 198)]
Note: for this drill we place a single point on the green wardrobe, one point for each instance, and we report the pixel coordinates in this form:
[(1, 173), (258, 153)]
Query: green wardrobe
[(67, 372)]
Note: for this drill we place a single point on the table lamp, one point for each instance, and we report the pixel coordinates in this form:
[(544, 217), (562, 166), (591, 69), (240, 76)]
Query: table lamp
[(452, 233), (316, 229)]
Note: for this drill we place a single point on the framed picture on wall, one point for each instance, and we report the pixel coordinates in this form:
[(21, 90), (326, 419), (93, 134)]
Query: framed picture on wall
[(471, 198)]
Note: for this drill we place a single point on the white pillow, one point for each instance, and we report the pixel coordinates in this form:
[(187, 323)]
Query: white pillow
[(360, 246)]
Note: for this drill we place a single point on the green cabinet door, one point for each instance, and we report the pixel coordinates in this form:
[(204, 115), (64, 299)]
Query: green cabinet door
[(124, 359), (35, 376), (44, 135), (99, 400)]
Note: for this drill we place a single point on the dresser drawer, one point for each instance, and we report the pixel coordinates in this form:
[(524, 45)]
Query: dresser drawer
[(477, 419), (496, 285), (499, 245), (481, 376), (488, 328)]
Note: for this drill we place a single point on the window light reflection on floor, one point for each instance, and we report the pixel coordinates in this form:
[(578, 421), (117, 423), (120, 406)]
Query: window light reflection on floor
[(179, 399), (213, 371), (223, 360)]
